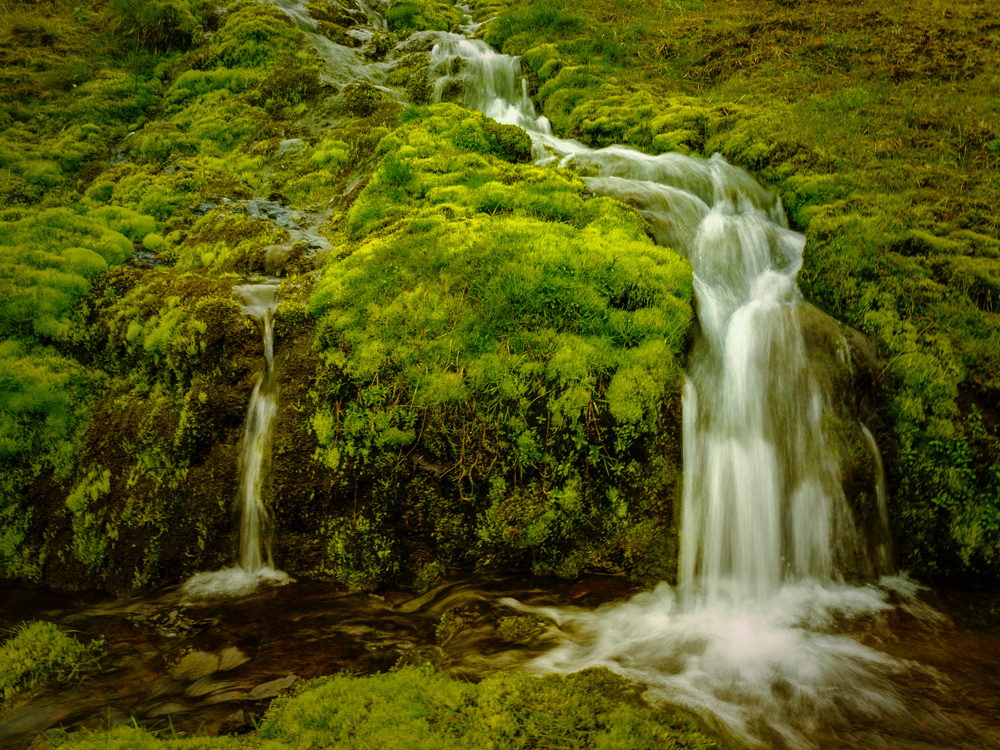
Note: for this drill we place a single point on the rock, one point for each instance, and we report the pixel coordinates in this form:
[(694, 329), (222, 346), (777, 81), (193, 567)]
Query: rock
[(230, 658), (165, 709), (195, 665), (55, 735), (236, 723), (200, 687), (272, 688)]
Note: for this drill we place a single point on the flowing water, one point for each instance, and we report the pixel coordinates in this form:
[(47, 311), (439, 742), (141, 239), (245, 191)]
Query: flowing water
[(256, 533), (762, 638)]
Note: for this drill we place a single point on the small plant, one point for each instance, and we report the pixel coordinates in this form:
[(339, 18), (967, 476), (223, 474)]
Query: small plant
[(40, 652)]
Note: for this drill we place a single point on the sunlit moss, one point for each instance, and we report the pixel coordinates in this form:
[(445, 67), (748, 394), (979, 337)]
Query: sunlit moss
[(495, 323), (406, 16)]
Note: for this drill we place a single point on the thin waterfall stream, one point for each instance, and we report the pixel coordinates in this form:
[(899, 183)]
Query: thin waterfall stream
[(255, 530)]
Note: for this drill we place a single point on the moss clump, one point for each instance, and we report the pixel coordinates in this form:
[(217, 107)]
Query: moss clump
[(39, 652), (407, 16), (499, 356), (417, 707)]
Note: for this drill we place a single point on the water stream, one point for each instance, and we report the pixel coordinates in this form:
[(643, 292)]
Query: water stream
[(762, 638), (256, 532)]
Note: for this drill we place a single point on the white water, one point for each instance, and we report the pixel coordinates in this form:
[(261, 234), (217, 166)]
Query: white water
[(255, 559), (341, 65), (753, 639)]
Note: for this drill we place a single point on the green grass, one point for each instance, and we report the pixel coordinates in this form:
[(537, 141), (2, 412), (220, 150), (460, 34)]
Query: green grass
[(38, 653)]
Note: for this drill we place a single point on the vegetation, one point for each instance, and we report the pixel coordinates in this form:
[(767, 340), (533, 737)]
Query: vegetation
[(486, 370), (39, 652), (416, 707), (879, 128), (503, 344)]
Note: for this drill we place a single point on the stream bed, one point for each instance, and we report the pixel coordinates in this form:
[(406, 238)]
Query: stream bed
[(205, 667)]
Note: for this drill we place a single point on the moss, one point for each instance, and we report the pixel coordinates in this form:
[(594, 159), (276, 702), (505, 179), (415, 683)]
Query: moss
[(38, 653), (499, 350), (407, 16), (417, 707)]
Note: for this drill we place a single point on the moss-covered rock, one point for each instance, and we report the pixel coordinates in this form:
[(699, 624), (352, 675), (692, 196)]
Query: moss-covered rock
[(498, 354)]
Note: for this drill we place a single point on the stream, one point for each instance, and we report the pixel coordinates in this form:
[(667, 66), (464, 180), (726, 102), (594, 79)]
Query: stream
[(762, 638)]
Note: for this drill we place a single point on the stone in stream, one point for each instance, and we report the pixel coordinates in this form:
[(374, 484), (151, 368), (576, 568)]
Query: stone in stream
[(230, 658), (271, 689), (238, 722), (195, 665)]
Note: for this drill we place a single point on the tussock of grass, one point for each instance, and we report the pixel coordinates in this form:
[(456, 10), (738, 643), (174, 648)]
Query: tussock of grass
[(39, 652)]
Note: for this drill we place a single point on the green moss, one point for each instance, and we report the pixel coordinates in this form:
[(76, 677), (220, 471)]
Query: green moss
[(407, 16), (39, 652), (417, 707), (495, 326)]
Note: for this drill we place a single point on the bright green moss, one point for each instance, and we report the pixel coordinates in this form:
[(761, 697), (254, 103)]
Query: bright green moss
[(40, 652), (417, 707), (493, 321), (47, 260), (407, 16)]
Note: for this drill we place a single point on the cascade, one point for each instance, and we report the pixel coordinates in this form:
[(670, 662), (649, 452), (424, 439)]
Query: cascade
[(255, 563), (752, 638)]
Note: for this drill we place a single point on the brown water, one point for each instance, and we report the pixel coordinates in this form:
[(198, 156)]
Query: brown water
[(309, 629), (306, 629)]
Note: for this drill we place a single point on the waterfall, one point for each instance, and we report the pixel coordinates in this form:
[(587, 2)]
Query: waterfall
[(255, 532), (753, 639)]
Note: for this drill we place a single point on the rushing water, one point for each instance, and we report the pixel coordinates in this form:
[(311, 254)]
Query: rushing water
[(255, 559), (762, 638)]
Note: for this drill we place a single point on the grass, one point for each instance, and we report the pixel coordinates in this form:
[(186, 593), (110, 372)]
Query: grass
[(38, 653)]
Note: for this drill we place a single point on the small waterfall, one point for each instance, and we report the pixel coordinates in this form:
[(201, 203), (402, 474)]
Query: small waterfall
[(753, 639), (255, 527), (255, 534)]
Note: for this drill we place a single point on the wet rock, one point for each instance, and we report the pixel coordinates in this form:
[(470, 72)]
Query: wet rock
[(195, 665), (230, 658), (238, 722), (171, 625), (166, 709), (200, 687), (272, 688)]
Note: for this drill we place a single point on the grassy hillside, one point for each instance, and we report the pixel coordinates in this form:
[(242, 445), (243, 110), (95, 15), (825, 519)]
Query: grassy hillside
[(527, 422)]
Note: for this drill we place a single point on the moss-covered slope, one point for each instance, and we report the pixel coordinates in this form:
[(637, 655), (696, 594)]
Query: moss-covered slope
[(879, 125)]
